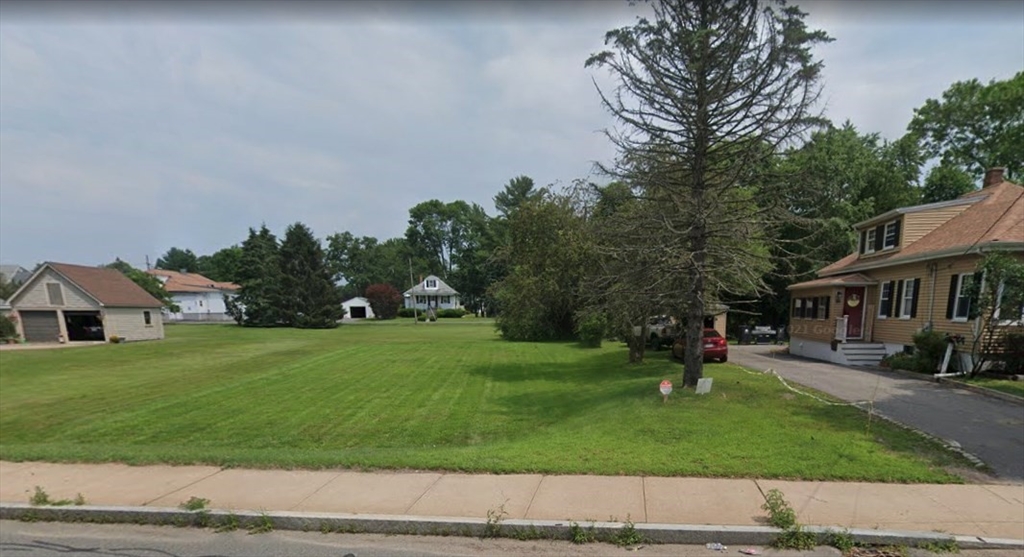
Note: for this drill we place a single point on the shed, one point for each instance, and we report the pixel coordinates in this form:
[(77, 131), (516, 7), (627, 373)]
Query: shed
[(62, 302), (357, 308)]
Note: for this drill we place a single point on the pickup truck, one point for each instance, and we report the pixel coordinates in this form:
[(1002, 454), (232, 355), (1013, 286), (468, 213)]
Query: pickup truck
[(661, 331)]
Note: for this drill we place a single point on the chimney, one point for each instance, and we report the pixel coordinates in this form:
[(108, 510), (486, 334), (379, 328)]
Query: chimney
[(993, 176)]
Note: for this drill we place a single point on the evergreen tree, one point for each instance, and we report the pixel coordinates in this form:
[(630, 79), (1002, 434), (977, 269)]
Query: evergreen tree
[(310, 299), (258, 303)]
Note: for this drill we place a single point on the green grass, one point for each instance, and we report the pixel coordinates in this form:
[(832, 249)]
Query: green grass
[(447, 396), (1002, 385)]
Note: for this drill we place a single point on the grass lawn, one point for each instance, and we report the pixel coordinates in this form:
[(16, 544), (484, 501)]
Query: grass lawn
[(447, 396), (1004, 385)]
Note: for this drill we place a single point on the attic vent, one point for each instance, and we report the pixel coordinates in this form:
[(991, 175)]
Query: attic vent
[(54, 294)]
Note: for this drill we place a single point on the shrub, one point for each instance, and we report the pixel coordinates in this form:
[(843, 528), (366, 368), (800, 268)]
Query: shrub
[(408, 312), (930, 347), (384, 300), (591, 329), (7, 327), (451, 313), (900, 360), (1013, 353), (115, 339)]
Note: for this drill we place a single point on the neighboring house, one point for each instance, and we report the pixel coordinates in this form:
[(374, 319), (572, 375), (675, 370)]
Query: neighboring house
[(15, 273), (357, 308), (197, 297), (910, 272), (62, 302), (432, 293)]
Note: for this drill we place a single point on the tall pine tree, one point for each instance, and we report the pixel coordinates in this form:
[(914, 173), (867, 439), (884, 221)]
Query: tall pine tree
[(310, 299), (258, 303)]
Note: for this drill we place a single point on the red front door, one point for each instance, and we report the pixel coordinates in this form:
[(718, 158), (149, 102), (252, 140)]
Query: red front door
[(853, 310)]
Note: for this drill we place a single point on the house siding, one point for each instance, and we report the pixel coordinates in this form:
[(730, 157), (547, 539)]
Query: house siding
[(814, 329), (200, 306), (918, 225), (130, 324), (34, 296)]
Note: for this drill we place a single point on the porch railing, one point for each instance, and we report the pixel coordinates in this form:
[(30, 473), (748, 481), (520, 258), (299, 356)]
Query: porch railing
[(841, 323)]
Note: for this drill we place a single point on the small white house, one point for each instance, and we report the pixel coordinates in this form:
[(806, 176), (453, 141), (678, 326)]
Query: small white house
[(432, 293), (198, 298), (357, 308)]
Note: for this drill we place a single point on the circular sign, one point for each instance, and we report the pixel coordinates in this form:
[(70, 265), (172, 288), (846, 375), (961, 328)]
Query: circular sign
[(666, 387), (853, 301)]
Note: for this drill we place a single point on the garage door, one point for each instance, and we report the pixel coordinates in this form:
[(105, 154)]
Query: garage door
[(40, 326), (358, 312)]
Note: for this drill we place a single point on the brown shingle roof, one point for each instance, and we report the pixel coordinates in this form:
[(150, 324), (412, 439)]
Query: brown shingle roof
[(190, 282), (997, 217), (108, 286), (855, 279)]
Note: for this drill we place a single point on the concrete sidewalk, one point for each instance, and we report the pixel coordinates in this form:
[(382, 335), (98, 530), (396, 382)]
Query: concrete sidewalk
[(993, 511)]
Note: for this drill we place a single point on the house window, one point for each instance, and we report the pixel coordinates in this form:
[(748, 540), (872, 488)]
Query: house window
[(1012, 313), (798, 308), (421, 299), (54, 294), (885, 300), (907, 305), (892, 232), (431, 283), (147, 318), (823, 307), (869, 244), (962, 304), (446, 299)]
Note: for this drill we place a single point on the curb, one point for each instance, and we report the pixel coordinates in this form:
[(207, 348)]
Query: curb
[(991, 393), (468, 527)]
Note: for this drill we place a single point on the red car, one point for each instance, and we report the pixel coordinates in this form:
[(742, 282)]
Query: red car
[(715, 346)]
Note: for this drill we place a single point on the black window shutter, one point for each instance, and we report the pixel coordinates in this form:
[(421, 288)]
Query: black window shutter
[(879, 237), (951, 301), (917, 294), (794, 307), (863, 240), (827, 304), (898, 299), (814, 308), (897, 232)]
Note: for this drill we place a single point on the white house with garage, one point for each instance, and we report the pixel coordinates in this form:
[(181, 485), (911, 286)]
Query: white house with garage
[(72, 303), (198, 298), (357, 308), (432, 294)]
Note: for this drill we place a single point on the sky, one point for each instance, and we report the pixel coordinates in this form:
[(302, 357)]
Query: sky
[(127, 128)]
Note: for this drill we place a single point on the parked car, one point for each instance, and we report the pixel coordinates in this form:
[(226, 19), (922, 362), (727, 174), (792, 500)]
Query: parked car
[(715, 346), (661, 331)]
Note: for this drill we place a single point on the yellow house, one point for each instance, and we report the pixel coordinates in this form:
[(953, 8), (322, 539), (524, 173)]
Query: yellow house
[(910, 272)]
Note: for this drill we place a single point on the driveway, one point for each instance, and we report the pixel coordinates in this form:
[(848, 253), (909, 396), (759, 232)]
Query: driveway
[(991, 429)]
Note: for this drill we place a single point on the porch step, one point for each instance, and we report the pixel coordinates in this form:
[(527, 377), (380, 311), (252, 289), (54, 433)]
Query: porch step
[(863, 353)]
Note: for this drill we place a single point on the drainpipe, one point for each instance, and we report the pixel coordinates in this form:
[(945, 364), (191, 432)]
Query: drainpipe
[(933, 267)]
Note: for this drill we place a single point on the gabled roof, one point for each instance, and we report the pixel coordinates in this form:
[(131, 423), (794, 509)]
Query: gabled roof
[(441, 290), (994, 221), (191, 282), (856, 279), (109, 287)]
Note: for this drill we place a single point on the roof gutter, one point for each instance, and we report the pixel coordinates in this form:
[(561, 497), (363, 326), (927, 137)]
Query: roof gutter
[(949, 252)]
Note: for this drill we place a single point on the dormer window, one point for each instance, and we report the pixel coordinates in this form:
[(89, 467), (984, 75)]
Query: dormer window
[(892, 233), (431, 283), (869, 243)]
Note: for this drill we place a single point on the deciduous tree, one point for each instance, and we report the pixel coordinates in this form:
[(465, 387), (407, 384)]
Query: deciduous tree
[(177, 259), (384, 300), (148, 282)]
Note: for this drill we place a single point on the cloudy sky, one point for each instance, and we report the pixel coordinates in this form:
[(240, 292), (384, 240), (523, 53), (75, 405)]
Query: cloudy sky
[(130, 127)]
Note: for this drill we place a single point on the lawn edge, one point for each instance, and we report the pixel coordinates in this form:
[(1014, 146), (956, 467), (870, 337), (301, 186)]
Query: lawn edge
[(992, 393)]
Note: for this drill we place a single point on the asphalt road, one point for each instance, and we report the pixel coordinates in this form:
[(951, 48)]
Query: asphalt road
[(52, 539), (991, 429)]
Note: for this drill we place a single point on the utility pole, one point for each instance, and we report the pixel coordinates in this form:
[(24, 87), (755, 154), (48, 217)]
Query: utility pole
[(147, 262), (415, 312)]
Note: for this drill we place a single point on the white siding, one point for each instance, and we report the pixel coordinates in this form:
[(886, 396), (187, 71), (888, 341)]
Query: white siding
[(435, 301), (357, 301), (199, 306), (130, 324), (34, 296)]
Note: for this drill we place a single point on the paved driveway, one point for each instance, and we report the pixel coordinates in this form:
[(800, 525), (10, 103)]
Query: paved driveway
[(989, 428)]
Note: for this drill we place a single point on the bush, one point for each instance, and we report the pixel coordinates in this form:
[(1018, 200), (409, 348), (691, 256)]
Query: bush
[(384, 300), (900, 360), (408, 312), (1013, 353), (591, 329), (455, 313), (7, 327), (930, 347)]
